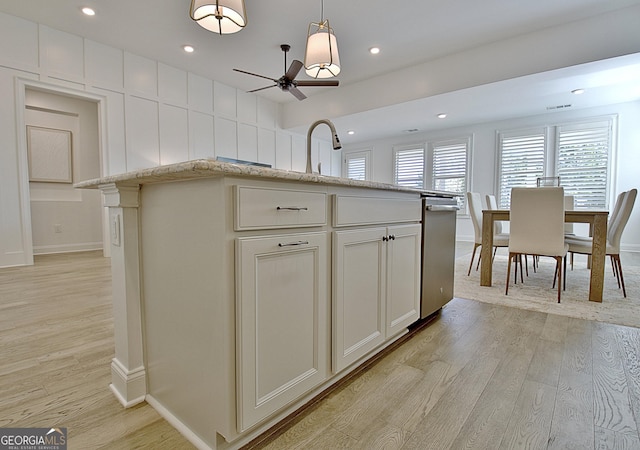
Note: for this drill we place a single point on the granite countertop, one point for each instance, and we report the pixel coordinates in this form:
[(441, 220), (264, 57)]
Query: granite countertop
[(203, 168)]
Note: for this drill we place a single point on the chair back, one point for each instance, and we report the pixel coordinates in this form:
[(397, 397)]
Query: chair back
[(492, 203), (537, 221), (569, 205), (616, 226), (474, 202), (616, 208)]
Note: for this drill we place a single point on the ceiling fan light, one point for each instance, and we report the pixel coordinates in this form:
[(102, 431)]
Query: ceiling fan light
[(219, 16), (321, 59)]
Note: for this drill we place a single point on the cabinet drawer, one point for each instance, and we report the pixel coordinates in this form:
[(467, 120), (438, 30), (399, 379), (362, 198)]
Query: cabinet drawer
[(260, 208), (350, 211)]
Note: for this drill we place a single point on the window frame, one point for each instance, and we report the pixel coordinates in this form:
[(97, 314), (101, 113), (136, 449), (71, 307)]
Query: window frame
[(551, 153), (467, 142), (364, 153), (398, 149)]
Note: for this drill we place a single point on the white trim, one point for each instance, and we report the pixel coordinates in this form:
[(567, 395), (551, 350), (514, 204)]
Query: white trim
[(129, 386), (21, 85), (67, 248), (178, 424)]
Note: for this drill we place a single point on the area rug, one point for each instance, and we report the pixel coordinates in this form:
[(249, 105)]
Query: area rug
[(536, 293)]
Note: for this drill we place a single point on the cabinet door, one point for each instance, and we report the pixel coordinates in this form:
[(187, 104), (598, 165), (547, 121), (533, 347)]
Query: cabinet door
[(282, 321), (359, 265), (403, 277)]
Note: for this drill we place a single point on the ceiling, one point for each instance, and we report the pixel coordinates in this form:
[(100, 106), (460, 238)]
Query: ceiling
[(408, 33)]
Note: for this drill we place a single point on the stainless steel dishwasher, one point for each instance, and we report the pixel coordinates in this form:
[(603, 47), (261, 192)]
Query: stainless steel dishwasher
[(439, 213)]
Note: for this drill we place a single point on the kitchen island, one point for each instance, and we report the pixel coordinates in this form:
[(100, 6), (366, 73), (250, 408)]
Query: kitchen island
[(241, 292)]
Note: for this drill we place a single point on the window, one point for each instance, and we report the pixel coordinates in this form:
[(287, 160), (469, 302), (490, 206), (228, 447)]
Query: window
[(522, 156), (408, 166), (449, 168), (583, 162), (580, 157), (357, 165)]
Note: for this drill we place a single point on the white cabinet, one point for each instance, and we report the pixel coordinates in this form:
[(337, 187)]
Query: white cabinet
[(359, 277), (403, 277), (282, 321), (376, 288)]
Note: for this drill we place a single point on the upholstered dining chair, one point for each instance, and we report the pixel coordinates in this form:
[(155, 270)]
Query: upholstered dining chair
[(536, 227), (569, 205), (617, 223), (586, 240), (474, 203)]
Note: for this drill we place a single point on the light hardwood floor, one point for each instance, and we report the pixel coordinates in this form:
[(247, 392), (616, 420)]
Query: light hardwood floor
[(479, 376)]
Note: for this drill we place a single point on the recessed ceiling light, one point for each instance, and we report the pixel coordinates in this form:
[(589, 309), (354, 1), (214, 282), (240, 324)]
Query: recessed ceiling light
[(441, 116), (351, 132), (578, 91), (88, 11), (374, 50), (188, 49)]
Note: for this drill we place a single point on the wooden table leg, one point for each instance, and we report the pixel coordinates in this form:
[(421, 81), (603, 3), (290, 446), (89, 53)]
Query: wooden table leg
[(486, 262), (598, 258)]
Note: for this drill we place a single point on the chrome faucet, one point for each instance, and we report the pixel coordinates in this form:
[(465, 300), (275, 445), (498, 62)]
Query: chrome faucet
[(336, 141)]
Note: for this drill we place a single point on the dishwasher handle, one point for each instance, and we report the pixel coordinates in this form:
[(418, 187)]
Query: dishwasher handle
[(443, 208)]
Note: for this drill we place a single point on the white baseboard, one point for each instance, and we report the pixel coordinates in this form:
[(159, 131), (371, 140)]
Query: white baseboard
[(67, 248), (178, 425), (129, 386)]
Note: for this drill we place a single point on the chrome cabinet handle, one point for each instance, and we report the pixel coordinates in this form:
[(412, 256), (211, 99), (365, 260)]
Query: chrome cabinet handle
[(290, 244), (292, 208)]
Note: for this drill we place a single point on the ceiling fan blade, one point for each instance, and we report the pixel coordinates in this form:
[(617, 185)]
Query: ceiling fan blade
[(294, 68), (256, 75), (317, 82), (296, 93), (262, 88)]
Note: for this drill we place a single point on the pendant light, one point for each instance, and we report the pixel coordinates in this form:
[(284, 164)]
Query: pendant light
[(321, 59), (219, 16)]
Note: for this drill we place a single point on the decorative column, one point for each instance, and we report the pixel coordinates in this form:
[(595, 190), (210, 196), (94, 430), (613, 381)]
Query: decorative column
[(128, 377)]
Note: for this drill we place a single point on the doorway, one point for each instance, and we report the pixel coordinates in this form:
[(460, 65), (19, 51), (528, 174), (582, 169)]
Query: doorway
[(63, 134)]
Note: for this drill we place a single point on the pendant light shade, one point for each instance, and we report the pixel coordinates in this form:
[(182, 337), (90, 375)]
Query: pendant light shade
[(219, 16), (321, 59)]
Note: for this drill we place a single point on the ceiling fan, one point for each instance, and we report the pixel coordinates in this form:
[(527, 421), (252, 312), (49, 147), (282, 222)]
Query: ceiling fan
[(287, 82)]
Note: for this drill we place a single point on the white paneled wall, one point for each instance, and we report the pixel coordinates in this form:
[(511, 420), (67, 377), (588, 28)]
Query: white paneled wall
[(155, 114)]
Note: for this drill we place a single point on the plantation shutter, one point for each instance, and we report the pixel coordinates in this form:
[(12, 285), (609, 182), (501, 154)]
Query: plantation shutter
[(521, 163), (582, 162), (450, 169), (409, 167), (356, 168)]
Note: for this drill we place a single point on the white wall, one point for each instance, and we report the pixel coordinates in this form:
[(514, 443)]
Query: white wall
[(483, 172), (155, 114)]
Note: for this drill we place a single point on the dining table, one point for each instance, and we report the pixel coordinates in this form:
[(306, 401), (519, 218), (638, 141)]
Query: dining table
[(597, 220)]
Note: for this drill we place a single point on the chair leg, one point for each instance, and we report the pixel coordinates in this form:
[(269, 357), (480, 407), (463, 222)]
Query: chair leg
[(619, 269), (473, 255), (520, 261), (558, 264), (511, 257), (571, 260), (614, 267), (555, 275), (564, 275)]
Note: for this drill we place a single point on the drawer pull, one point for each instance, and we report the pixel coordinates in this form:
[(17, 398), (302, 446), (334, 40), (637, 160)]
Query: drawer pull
[(291, 244), (292, 208)]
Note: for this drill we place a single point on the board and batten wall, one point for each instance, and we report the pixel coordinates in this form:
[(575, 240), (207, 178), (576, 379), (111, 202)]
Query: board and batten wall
[(483, 166), (155, 114)]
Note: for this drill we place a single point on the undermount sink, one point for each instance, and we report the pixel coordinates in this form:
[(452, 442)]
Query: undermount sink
[(240, 161)]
